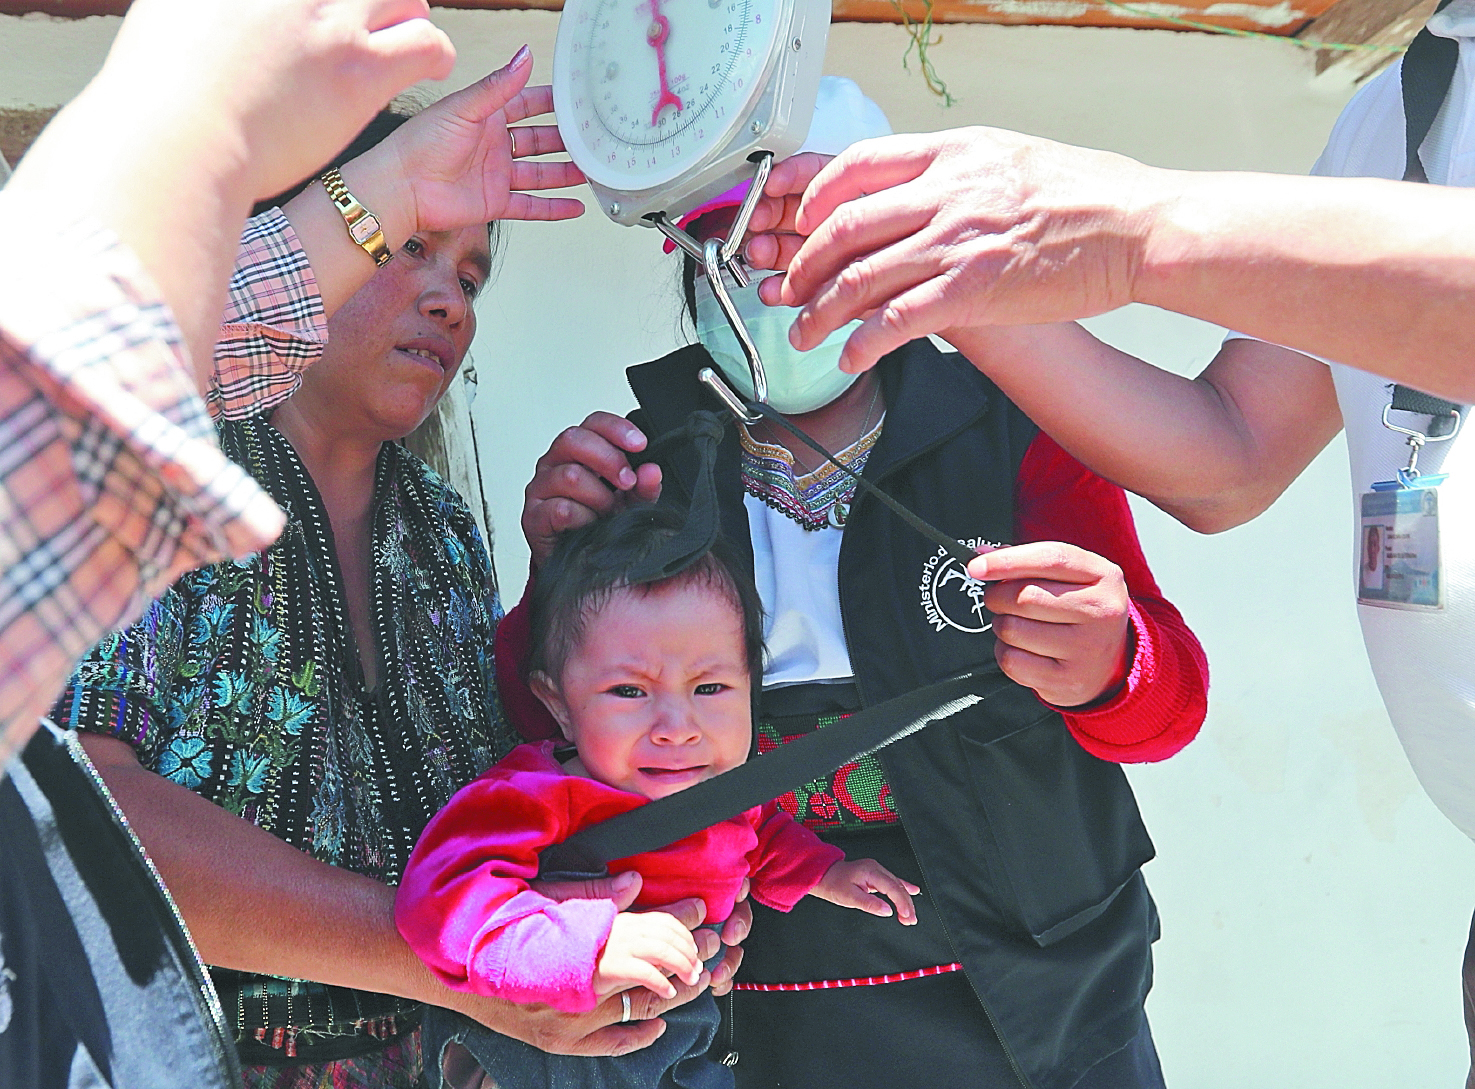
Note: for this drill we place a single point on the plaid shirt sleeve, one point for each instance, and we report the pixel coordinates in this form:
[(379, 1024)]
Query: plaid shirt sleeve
[(112, 483), (274, 325)]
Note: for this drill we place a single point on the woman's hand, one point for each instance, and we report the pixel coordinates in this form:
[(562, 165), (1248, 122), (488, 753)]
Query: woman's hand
[(603, 1030), (459, 159), (856, 884), (455, 164), (623, 888), (1060, 620), (585, 475)]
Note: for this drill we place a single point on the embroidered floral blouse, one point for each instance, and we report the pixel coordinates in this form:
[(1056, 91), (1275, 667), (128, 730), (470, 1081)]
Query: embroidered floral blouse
[(242, 682)]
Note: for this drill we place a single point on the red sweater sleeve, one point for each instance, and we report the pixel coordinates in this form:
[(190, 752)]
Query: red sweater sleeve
[(1162, 704), (465, 908), (510, 647), (789, 859)]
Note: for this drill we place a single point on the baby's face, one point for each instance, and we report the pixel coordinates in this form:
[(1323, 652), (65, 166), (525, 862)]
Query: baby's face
[(656, 695)]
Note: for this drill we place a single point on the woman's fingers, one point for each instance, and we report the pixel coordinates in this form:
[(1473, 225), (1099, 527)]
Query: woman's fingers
[(866, 167), (535, 140), (601, 444), (836, 274), (735, 930), (531, 102), (543, 175), (622, 888), (581, 477), (726, 970), (541, 209), (494, 91), (618, 1038)]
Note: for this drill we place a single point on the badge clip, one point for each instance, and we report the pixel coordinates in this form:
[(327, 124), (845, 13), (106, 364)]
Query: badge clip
[(1409, 476)]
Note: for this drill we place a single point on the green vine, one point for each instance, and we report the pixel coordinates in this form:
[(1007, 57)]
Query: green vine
[(920, 33)]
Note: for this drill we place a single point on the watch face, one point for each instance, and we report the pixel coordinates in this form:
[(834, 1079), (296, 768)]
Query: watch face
[(645, 88), (364, 228)]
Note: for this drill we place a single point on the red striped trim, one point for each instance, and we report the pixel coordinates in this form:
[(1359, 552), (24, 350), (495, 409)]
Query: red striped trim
[(859, 981)]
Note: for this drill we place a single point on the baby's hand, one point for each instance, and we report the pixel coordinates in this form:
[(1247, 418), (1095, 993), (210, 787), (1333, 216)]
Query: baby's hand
[(851, 884), (643, 949)]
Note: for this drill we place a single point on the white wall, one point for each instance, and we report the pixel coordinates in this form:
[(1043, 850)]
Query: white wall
[(1314, 903)]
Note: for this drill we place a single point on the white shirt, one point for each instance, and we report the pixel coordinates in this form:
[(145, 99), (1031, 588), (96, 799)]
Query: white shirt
[(797, 573), (1424, 662)]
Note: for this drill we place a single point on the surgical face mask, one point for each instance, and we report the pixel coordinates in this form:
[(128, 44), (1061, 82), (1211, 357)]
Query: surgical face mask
[(798, 382)]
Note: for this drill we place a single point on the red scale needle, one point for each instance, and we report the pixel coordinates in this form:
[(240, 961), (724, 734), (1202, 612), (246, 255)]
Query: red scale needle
[(656, 34)]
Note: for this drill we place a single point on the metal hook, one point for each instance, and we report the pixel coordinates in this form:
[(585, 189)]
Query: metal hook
[(745, 210), (719, 256), (712, 261), (1417, 439)]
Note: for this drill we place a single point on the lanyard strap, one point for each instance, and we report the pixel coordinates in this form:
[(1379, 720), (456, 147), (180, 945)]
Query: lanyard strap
[(1445, 413), (1427, 74), (951, 545), (1428, 71), (666, 820)]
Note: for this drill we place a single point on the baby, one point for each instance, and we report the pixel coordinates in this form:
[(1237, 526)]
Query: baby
[(652, 686)]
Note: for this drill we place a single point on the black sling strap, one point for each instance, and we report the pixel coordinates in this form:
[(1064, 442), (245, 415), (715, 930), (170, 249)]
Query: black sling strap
[(1427, 74), (649, 827)]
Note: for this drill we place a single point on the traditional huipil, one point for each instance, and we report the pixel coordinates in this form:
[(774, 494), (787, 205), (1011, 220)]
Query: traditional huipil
[(243, 682)]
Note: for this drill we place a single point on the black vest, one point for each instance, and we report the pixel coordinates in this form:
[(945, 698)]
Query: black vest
[(1032, 847)]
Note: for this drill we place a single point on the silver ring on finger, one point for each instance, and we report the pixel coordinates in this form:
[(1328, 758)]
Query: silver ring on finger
[(625, 1005), (512, 139)]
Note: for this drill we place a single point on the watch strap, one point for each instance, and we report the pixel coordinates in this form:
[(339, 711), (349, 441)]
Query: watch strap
[(363, 225)]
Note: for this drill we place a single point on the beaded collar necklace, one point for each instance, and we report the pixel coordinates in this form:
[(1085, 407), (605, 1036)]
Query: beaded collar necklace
[(819, 499)]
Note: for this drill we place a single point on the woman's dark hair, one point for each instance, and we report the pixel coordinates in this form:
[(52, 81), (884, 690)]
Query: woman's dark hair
[(589, 565)]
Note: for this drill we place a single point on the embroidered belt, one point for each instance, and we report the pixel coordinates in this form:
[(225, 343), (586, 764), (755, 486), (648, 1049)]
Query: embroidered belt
[(853, 796), (306, 1021)]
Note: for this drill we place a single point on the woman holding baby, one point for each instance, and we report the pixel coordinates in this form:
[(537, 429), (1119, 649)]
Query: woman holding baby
[(279, 731)]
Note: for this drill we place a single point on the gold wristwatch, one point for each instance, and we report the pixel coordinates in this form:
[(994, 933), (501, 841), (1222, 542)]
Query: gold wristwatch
[(363, 225)]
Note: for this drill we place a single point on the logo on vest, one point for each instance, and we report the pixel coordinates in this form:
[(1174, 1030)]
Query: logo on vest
[(950, 598)]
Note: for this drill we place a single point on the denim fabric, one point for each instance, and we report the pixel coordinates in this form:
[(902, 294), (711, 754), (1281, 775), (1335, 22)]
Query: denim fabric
[(677, 1060)]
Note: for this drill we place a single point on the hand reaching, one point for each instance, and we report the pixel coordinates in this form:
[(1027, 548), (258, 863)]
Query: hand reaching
[(642, 950), (585, 475), (204, 106), (920, 234), (855, 884), (460, 158), (1060, 619)]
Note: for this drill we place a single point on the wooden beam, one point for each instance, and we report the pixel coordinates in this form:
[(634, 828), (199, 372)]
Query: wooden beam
[(65, 9), (1388, 23), (1264, 16)]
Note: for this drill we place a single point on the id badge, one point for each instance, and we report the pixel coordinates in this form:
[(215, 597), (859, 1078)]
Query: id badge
[(1398, 562)]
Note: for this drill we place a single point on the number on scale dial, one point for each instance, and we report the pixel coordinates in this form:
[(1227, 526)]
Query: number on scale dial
[(654, 85)]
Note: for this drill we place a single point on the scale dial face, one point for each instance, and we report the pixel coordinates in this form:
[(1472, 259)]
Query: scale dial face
[(644, 89)]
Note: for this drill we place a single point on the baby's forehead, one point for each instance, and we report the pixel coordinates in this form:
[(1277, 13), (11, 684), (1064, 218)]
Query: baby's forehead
[(670, 602), (619, 603)]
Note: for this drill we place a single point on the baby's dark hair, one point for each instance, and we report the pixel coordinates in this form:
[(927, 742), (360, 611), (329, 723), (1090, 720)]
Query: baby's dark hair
[(589, 565)]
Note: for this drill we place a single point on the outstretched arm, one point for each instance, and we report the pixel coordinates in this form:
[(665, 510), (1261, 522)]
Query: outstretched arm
[(1213, 451), (985, 227), (320, 922)]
